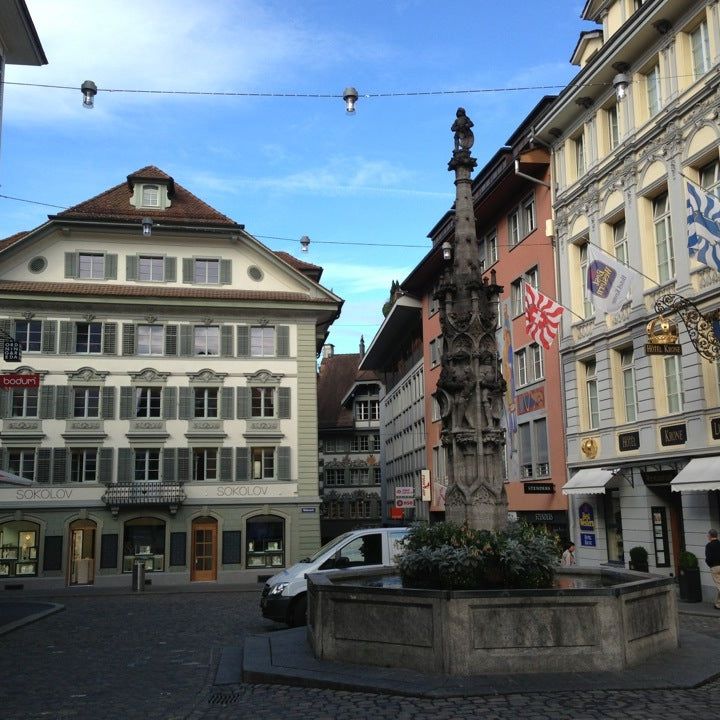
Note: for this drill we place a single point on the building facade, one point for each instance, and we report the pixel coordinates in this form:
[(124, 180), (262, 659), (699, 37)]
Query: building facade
[(349, 443), (165, 404), (638, 423)]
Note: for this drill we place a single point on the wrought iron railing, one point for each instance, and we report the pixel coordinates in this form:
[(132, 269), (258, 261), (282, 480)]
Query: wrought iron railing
[(144, 493)]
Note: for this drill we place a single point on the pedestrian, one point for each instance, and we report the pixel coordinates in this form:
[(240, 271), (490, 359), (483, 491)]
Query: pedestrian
[(568, 557), (712, 558)]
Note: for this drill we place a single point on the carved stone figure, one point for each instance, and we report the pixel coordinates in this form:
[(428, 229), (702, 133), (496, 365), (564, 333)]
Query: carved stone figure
[(464, 137)]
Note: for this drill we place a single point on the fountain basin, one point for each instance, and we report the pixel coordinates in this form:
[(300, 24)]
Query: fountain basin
[(626, 619)]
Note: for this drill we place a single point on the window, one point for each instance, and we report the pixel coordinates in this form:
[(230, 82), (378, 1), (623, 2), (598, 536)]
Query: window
[(620, 241), (514, 228), (147, 465), (205, 464), (150, 196), (532, 277), (521, 367), (18, 547), (88, 337), (151, 268), (374, 409), (206, 402), (517, 297), (435, 351), (263, 463), (91, 266), (613, 127), (359, 509), (86, 402), (536, 358), (262, 341), (144, 539), (663, 238), (147, 402), (525, 442), (362, 410), (528, 215), (491, 248), (652, 88), (540, 448), (591, 394), (262, 402), (359, 476), (22, 463), (588, 309), (365, 550), (673, 383), (627, 368), (83, 465), (710, 178), (265, 542), (700, 49), (150, 340), (579, 143), (24, 402), (207, 340), (29, 334), (334, 477), (206, 271)]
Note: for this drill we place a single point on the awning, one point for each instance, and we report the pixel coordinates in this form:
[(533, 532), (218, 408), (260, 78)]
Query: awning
[(699, 475), (588, 481)]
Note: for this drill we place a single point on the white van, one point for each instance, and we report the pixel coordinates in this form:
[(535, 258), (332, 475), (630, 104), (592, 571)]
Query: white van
[(284, 597)]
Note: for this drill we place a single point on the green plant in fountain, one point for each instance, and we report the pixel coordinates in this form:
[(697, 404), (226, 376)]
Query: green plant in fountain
[(456, 557)]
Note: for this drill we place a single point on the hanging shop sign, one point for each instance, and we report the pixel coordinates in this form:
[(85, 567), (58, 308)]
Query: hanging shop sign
[(663, 337), (19, 380), (537, 488), (405, 491), (586, 515), (404, 503), (12, 351)]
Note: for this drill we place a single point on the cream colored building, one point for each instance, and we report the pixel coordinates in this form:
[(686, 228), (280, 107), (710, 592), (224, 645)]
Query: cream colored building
[(175, 422), (634, 421)]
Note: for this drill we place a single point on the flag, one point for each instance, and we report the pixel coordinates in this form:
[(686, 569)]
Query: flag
[(542, 316), (703, 226), (609, 282)]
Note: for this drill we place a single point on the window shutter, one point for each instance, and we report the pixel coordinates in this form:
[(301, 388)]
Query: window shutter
[(226, 344), (282, 334), (225, 464), (187, 270), (183, 471), (170, 269), (108, 403), (59, 465), (226, 403), (49, 336), (47, 398), (169, 402), (42, 472), (128, 340), (110, 338), (242, 463), (71, 265), (225, 272), (231, 547), (243, 402), (109, 550), (186, 409), (169, 473), (127, 409), (131, 267), (284, 402), (111, 262), (105, 474), (63, 409), (283, 462), (178, 541), (186, 340), (125, 458), (171, 339), (66, 337), (243, 340), (5, 404)]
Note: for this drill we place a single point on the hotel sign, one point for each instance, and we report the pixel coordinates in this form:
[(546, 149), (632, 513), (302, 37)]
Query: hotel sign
[(715, 428), (629, 441), (673, 435), (662, 349)]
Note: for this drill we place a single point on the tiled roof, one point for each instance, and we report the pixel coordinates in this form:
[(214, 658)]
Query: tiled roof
[(8, 241), (149, 292), (314, 272), (114, 205)]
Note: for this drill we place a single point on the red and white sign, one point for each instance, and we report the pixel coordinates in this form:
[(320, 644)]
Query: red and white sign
[(396, 513), (426, 492), (404, 491), (18, 380), (404, 503)]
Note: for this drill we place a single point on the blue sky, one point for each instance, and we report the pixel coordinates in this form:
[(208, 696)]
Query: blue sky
[(285, 167)]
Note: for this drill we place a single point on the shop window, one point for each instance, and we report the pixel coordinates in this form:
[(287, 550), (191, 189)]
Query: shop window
[(144, 539), (18, 549), (265, 542), (613, 526)]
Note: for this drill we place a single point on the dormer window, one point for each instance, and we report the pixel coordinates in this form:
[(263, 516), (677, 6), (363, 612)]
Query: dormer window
[(150, 196)]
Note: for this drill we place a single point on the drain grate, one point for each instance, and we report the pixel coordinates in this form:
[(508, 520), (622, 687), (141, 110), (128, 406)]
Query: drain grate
[(224, 698)]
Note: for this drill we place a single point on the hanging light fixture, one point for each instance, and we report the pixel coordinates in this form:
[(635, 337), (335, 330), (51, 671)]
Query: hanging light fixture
[(350, 96), (620, 83), (147, 225), (89, 91), (304, 243), (447, 250)]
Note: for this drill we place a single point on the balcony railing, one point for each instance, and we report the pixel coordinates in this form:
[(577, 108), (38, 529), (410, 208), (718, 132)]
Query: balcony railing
[(144, 494)]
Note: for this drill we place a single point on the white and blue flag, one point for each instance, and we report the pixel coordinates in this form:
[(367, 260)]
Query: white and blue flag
[(703, 226)]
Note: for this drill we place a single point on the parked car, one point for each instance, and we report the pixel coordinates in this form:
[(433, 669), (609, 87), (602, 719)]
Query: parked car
[(284, 597)]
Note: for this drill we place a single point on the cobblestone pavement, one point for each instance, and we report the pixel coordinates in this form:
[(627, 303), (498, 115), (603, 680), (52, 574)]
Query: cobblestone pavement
[(153, 656)]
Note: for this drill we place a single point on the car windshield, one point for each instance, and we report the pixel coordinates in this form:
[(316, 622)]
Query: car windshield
[(328, 546)]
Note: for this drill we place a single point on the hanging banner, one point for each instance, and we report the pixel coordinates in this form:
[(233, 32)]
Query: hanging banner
[(505, 347), (425, 486)]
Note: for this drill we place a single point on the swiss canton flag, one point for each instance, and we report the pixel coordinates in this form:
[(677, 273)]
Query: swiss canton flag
[(542, 316), (703, 226)]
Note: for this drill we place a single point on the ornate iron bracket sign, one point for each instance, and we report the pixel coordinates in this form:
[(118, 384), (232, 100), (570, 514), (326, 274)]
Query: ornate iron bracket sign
[(699, 326)]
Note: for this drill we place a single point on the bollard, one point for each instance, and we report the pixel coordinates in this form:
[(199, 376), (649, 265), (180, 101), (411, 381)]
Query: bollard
[(138, 576)]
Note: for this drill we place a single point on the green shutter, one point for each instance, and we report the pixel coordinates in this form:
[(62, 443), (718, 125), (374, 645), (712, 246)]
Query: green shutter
[(111, 267), (225, 272), (226, 403), (169, 473), (63, 407), (128, 339), (110, 338), (6, 404), (171, 339), (131, 267), (187, 265), (105, 461), (283, 462), (42, 471), (284, 402), (47, 399), (243, 340), (186, 340), (170, 269), (225, 464), (49, 336), (183, 471), (282, 336), (169, 403), (108, 403), (127, 406), (125, 465), (66, 337), (71, 265), (243, 402), (59, 465), (226, 340), (186, 405), (242, 463)]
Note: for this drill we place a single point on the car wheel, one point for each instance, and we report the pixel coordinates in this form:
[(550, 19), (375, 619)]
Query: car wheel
[(298, 612)]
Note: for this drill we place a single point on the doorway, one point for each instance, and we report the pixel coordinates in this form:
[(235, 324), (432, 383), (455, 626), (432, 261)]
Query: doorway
[(204, 550), (81, 567)]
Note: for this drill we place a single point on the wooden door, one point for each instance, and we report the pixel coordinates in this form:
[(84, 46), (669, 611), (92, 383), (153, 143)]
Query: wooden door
[(81, 565), (204, 551)]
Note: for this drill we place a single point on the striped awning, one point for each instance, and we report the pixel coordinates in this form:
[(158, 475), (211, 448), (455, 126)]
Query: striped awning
[(589, 481), (699, 475)]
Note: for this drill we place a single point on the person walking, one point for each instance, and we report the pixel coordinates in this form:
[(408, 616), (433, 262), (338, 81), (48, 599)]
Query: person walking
[(712, 558), (568, 557)]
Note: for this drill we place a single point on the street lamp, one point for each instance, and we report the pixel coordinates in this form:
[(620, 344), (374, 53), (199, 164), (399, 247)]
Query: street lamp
[(620, 83), (304, 243), (147, 224), (447, 250), (89, 91), (350, 96)]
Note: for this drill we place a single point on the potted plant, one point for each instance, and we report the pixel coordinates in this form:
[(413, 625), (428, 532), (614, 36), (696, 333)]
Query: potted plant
[(639, 559), (689, 578)]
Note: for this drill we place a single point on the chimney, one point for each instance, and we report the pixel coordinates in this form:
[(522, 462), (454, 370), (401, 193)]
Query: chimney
[(328, 351), (362, 347)]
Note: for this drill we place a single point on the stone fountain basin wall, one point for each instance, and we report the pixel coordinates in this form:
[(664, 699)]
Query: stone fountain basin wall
[(496, 631)]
